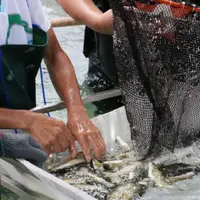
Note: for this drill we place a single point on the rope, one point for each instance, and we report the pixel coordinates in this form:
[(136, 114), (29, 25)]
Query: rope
[(43, 90)]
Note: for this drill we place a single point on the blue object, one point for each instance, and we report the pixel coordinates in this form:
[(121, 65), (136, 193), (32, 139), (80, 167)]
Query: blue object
[(43, 90), (2, 6)]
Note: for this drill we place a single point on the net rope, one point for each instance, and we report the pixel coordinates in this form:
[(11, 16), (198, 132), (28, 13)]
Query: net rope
[(157, 52)]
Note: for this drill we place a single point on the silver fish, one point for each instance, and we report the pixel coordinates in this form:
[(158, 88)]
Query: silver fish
[(129, 168), (128, 191), (95, 178), (146, 182), (124, 173), (85, 187), (70, 164), (156, 175), (75, 181), (108, 165), (122, 144), (101, 181), (120, 174), (114, 164), (52, 161), (113, 178), (188, 175), (130, 155), (97, 166)]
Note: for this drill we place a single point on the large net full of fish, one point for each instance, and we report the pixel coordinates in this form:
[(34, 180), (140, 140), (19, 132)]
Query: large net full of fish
[(157, 51)]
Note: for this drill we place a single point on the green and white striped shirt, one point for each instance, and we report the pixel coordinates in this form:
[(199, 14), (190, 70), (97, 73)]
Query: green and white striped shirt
[(16, 19)]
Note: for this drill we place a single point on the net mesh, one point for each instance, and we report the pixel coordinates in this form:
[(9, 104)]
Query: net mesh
[(157, 52)]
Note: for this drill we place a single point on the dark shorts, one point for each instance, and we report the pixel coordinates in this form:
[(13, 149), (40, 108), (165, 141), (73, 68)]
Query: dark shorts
[(96, 81)]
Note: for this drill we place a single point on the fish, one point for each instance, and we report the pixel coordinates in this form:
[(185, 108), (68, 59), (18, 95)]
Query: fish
[(88, 187), (146, 182), (136, 169), (52, 161), (130, 155), (179, 169), (95, 178), (58, 159), (130, 167), (119, 175), (112, 178), (75, 181), (122, 144), (108, 165), (70, 164), (96, 166), (156, 175), (128, 191), (137, 174), (101, 180), (188, 175), (113, 165)]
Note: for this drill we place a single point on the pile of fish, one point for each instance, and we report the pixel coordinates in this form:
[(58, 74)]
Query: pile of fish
[(119, 176)]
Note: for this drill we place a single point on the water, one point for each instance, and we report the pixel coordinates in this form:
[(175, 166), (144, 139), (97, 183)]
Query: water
[(71, 40)]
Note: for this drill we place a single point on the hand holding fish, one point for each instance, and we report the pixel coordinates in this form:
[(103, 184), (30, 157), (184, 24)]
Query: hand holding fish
[(87, 134), (50, 133)]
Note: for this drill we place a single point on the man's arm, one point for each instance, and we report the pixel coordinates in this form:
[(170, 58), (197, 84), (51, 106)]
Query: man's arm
[(64, 79), (51, 134), (48, 132), (63, 75), (86, 12), (14, 119)]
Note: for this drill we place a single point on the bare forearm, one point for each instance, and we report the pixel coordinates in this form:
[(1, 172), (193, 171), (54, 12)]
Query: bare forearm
[(11, 119), (84, 11), (64, 80), (62, 74)]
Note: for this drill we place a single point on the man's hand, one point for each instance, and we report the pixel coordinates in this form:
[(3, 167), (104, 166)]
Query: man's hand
[(105, 23), (87, 135), (51, 134), (21, 146)]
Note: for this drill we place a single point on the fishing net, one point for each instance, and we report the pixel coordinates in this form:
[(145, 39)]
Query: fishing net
[(157, 52)]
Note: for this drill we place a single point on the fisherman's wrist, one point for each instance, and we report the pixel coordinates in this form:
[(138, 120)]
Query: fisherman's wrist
[(76, 110), (28, 121), (22, 119)]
